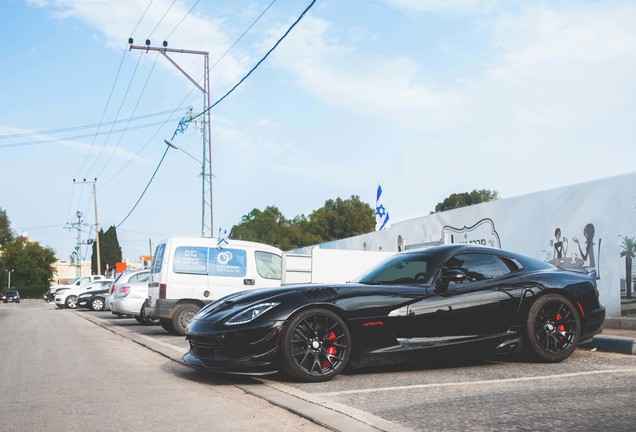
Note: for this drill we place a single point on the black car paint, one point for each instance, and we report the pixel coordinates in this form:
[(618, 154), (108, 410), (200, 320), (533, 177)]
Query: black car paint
[(396, 323)]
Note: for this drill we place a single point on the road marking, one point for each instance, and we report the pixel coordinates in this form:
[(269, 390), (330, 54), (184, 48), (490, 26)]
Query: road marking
[(473, 383)]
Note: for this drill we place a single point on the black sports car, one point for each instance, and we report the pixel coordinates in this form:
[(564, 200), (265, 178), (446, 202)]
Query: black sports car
[(446, 300)]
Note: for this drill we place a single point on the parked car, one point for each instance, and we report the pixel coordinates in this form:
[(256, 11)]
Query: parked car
[(444, 300), (94, 300), (132, 299), (75, 283), (11, 296), (125, 277), (67, 298), (188, 273)]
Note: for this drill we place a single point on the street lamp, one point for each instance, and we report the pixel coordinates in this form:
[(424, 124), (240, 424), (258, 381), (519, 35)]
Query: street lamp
[(9, 283), (171, 144)]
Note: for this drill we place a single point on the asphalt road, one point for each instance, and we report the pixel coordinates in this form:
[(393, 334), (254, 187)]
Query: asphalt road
[(590, 391)]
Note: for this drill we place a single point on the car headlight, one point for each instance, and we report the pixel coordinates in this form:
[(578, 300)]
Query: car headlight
[(250, 313)]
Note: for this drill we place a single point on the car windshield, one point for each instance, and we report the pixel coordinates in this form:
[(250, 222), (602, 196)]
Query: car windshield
[(403, 269)]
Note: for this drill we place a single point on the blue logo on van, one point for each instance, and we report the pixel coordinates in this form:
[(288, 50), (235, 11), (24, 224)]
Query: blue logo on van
[(210, 261), (227, 262)]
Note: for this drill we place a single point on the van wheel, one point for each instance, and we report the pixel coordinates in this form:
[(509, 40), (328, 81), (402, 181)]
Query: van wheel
[(167, 325), (183, 316)]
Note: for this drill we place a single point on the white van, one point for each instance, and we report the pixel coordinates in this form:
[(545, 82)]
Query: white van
[(188, 273)]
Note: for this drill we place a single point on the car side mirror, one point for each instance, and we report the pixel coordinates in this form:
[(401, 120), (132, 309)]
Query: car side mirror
[(453, 275)]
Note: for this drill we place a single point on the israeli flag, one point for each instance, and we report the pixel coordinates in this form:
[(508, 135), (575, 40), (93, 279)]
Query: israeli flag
[(381, 215), (222, 239)]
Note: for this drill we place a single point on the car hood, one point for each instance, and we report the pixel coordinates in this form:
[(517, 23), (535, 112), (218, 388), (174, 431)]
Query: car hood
[(307, 294)]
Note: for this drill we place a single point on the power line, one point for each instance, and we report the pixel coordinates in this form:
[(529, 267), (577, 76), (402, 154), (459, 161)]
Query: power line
[(244, 33), (161, 20), (259, 62), (121, 137), (217, 102), (182, 19), (89, 126)]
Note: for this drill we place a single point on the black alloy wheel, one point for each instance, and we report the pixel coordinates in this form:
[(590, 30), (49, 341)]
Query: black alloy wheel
[(315, 346), (553, 328)]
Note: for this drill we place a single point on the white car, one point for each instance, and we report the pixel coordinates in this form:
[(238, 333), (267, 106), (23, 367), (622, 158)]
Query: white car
[(68, 297), (131, 299), (125, 277)]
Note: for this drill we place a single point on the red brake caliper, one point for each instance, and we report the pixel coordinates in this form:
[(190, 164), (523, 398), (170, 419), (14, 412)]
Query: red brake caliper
[(560, 327), (331, 350)]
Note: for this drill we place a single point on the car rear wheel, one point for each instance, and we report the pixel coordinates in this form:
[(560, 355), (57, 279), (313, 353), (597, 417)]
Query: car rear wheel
[(167, 325), (315, 346), (143, 317), (71, 302), (182, 316), (553, 329), (97, 304)]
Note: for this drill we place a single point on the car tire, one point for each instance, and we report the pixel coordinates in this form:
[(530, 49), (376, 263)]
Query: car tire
[(97, 304), (182, 316), (143, 317), (553, 329), (315, 346), (71, 302), (167, 325)]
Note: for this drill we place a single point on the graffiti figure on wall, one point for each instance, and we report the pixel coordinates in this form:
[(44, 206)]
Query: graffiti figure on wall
[(588, 232), (559, 244), (583, 259)]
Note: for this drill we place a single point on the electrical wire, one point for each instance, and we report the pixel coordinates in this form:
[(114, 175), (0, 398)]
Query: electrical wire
[(89, 126), (182, 19), (132, 78), (146, 188), (121, 137), (216, 103), (244, 33), (161, 20), (257, 64), (74, 137)]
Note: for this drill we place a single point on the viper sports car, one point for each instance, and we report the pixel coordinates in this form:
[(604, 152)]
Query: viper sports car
[(446, 300)]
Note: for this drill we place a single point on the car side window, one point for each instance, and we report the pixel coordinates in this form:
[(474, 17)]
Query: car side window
[(268, 265), (477, 266)]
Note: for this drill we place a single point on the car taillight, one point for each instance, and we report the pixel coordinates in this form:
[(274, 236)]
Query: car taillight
[(123, 291), (162, 291), (112, 289)]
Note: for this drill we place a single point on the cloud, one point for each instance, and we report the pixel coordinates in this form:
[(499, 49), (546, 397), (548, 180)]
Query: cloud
[(389, 88), (455, 6)]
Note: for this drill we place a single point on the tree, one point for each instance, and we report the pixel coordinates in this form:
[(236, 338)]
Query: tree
[(32, 266), (340, 219), (110, 251), (337, 219), (628, 250), (6, 235), (265, 226), (466, 199)]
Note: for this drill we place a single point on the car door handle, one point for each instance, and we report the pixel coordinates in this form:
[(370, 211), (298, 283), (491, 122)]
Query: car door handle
[(249, 281)]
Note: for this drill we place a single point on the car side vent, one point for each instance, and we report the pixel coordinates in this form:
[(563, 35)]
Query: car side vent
[(320, 294)]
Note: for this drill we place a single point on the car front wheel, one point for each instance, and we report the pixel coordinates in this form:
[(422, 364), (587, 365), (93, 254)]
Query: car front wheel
[(553, 329), (97, 304), (71, 302), (315, 346)]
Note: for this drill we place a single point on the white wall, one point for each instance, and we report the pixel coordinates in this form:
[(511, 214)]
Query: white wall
[(527, 224)]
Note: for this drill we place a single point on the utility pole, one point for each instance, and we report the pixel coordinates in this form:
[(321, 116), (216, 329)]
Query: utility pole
[(77, 252), (207, 133), (90, 241)]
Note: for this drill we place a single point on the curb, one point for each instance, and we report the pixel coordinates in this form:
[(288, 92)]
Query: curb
[(612, 344)]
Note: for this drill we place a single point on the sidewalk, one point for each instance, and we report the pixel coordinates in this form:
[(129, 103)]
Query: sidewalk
[(619, 334)]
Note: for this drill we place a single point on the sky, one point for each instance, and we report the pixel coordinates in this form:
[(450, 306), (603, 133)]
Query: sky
[(423, 97)]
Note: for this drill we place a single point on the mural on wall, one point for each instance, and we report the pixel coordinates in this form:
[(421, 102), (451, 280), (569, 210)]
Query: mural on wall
[(584, 258), (483, 233)]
